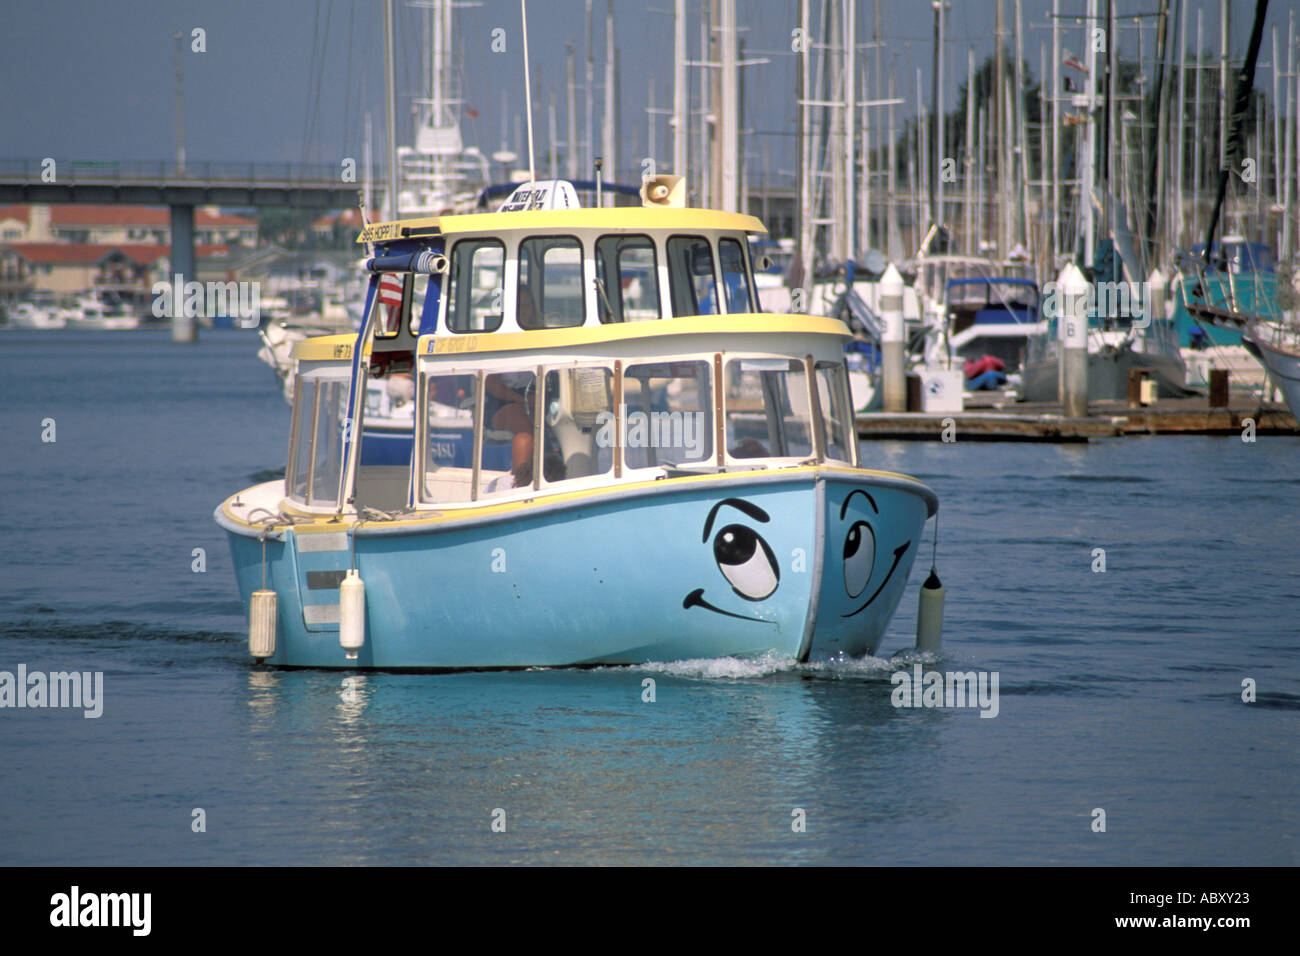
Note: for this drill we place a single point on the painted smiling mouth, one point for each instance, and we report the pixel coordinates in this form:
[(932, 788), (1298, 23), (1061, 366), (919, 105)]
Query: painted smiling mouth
[(898, 556), (696, 599)]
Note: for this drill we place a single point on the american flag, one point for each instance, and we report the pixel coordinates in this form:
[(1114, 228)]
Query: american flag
[(390, 295)]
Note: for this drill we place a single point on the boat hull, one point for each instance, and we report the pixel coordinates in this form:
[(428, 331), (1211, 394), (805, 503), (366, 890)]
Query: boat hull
[(616, 576), (1107, 376), (1283, 368)]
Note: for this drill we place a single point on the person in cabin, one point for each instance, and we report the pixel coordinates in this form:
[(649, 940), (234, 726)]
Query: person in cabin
[(508, 398), (526, 312)]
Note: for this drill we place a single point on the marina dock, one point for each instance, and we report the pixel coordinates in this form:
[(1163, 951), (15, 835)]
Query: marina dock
[(993, 418)]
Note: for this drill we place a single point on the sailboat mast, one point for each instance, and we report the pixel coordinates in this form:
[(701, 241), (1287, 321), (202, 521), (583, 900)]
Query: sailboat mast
[(1288, 173), (1055, 244), (1090, 138), (571, 106), (591, 94), (681, 120), (608, 137), (968, 228), (803, 166), (1241, 100), (390, 112), (1196, 140), (938, 113), (850, 125), (728, 107), (1179, 123), (1155, 157)]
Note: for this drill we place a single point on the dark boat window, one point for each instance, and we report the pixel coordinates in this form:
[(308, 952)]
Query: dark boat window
[(551, 293), (629, 279), (735, 279), (690, 276), (475, 286)]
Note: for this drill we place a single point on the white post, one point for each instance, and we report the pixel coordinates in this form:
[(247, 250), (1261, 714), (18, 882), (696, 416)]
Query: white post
[(891, 311), (1072, 291)]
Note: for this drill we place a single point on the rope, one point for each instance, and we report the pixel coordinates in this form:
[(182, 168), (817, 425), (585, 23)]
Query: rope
[(934, 553)]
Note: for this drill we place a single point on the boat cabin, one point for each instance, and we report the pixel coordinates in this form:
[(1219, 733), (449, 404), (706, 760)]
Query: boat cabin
[(551, 348)]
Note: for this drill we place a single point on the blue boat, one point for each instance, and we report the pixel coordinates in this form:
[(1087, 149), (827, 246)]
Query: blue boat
[(1238, 276), (603, 471)]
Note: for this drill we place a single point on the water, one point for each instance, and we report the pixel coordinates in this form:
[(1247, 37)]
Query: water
[(1118, 690)]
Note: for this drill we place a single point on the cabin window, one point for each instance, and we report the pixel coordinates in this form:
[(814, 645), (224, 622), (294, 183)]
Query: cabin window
[(509, 413), (690, 275), (838, 429), (475, 286), (579, 434), (768, 412), (629, 279), (734, 277), (667, 415), (320, 412), (450, 401), (551, 294)]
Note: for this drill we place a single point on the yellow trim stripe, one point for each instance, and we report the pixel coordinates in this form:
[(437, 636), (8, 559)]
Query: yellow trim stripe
[(331, 522), (327, 348), (764, 323), (620, 218)]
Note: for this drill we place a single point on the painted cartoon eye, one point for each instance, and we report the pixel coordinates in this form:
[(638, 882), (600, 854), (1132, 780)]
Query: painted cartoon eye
[(746, 561), (859, 557)]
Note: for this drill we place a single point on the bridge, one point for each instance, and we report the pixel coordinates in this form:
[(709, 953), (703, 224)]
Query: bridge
[(180, 188), (165, 183)]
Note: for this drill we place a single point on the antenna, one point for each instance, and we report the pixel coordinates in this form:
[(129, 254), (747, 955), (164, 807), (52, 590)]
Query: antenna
[(180, 105), (528, 91)]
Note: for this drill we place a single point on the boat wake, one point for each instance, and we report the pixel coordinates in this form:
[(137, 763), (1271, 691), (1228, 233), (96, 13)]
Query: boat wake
[(748, 668)]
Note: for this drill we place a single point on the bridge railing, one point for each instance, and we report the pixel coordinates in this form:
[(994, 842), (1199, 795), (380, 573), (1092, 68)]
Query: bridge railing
[(154, 172)]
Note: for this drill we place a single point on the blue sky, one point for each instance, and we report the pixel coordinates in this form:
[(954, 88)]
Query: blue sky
[(94, 80)]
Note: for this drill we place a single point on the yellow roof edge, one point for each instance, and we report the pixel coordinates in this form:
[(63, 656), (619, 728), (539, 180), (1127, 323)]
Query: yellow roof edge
[(617, 217), (320, 348), (759, 322)]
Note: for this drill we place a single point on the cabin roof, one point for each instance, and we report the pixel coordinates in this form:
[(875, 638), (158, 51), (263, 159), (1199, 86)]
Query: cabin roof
[(624, 218)]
